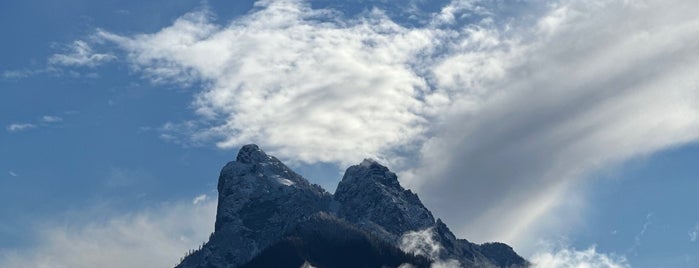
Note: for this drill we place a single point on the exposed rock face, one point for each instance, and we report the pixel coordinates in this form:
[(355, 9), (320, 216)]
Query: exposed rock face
[(260, 199), (371, 197), (264, 207)]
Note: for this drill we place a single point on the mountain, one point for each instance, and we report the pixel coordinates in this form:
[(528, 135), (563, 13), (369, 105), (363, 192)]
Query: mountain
[(270, 216), (327, 241)]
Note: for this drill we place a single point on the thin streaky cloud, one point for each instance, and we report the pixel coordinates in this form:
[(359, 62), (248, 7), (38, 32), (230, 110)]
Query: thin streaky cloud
[(639, 236), (80, 53), (17, 74), (17, 127), (43, 121), (51, 119)]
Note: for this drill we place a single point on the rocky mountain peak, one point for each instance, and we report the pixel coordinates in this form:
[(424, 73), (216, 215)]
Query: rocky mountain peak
[(259, 200), (370, 195), (250, 154), (267, 210), (370, 171)]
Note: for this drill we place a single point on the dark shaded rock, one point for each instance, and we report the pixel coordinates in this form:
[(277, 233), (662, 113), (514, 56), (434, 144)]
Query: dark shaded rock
[(502, 255), (326, 241)]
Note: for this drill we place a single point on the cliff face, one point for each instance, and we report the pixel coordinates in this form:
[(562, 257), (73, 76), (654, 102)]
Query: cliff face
[(260, 199), (371, 197), (265, 209)]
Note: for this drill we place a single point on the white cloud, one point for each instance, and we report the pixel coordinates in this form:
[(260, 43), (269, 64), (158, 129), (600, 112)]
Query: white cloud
[(199, 199), (51, 119), (571, 258), (421, 243), (42, 122), (12, 173), (150, 238), (291, 78), (507, 114), (694, 233), (80, 54), (16, 127)]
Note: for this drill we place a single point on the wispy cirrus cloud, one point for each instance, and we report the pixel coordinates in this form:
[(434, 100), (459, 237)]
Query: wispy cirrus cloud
[(639, 236), (17, 127), (80, 53), (44, 121), (17, 74), (51, 119)]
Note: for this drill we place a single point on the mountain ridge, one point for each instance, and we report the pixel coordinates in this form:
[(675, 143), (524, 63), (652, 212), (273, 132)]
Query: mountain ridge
[(263, 207)]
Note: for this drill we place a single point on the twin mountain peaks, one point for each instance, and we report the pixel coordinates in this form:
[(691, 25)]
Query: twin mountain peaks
[(270, 216)]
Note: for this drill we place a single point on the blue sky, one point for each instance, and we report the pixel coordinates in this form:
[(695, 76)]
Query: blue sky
[(565, 128)]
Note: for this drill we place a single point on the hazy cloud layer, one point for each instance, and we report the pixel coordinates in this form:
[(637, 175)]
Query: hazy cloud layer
[(501, 116), (151, 238), (571, 258), (596, 83)]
